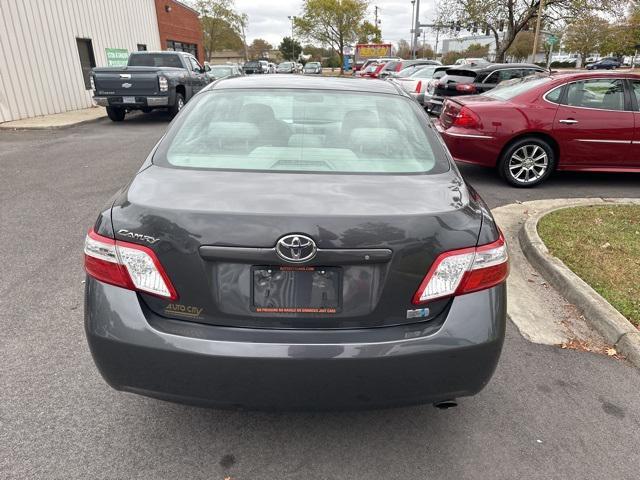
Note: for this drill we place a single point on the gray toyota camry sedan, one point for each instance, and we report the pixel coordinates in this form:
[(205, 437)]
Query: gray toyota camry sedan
[(297, 243)]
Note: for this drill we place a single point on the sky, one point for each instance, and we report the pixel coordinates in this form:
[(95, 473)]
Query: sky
[(268, 18)]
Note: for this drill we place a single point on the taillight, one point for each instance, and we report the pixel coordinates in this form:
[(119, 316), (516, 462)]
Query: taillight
[(126, 265), (465, 118), (163, 84), (92, 82), (464, 271), (466, 88), (418, 86)]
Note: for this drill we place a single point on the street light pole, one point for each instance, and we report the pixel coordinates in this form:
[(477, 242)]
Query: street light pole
[(413, 11), (293, 45), (416, 30)]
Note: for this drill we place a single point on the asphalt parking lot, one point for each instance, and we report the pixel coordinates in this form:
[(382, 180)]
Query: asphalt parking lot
[(547, 413)]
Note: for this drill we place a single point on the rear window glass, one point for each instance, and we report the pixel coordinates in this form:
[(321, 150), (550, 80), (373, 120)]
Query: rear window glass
[(426, 72), (252, 63), (321, 131), (459, 76), (154, 60), (516, 87)]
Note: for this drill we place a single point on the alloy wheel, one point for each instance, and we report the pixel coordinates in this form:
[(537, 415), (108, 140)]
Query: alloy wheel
[(528, 163)]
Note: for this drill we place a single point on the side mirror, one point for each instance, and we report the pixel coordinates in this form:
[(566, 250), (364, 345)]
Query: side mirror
[(207, 68)]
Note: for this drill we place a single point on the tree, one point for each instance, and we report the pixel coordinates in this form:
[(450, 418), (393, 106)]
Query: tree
[(504, 19), (450, 57), (369, 33), (258, 48), (222, 25), (403, 49), (618, 40), (426, 52), (476, 50), (290, 48), (585, 35), (521, 47), (331, 22)]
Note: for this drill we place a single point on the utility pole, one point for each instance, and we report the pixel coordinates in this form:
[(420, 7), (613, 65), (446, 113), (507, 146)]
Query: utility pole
[(416, 30), (413, 23), (293, 44), (535, 37), (375, 10)]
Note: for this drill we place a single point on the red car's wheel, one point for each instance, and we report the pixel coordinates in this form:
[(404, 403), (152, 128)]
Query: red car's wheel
[(527, 162)]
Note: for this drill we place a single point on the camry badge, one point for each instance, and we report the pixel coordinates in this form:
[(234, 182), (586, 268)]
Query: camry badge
[(296, 248)]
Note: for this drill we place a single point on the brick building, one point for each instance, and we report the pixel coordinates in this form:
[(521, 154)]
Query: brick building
[(179, 28)]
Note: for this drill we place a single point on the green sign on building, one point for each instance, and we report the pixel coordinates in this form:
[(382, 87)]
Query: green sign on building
[(117, 57)]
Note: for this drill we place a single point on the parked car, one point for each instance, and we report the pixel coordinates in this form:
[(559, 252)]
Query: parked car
[(472, 61), (216, 72), (528, 129), (425, 97), (368, 62), (394, 67), (150, 80), (372, 70), (474, 79), (286, 67), (254, 262), (312, 68), (608, 63), (416, 83), (256, 66)]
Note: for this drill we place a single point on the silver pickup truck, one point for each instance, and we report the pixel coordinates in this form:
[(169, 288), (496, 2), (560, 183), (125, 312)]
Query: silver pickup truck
[(150, 80)]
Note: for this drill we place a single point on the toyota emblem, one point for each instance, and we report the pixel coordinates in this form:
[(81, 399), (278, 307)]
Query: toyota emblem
[(296, 248)]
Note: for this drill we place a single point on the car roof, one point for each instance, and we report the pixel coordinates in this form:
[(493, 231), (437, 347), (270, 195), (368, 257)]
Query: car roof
[(495, 66), (351, 84), (577, 75)]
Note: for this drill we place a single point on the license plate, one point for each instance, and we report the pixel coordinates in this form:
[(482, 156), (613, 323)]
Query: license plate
[(128, 99), (297, 289)]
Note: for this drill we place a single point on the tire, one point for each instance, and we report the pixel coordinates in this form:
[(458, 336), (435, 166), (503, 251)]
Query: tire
[(116, 114), (177, 106), (527, 162)]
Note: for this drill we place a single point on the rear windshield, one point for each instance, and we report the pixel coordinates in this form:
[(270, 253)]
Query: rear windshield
[(426, 72), (321, 131), (252, 63), (459, 76), (516, 86), (154, 60), (221, 70)]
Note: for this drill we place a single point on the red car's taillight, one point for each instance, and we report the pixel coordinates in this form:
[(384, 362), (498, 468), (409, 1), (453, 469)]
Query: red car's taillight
[(126, 265), (465, 118), (464, 271), (418, 86), (465, 88)]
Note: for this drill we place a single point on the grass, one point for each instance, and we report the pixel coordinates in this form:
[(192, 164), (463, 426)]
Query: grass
[(601, 244)]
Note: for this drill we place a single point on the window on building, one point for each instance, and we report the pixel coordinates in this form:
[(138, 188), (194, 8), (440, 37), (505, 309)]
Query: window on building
[(87, 60), (191, 48), (142, 47)]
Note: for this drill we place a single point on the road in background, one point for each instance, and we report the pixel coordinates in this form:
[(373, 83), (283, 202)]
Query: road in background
[(547, 413)]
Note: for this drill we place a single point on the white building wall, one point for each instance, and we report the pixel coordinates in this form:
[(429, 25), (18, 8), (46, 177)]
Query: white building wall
[(40, 70)]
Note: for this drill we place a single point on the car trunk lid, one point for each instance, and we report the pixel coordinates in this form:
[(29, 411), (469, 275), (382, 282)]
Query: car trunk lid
[(376, 236)]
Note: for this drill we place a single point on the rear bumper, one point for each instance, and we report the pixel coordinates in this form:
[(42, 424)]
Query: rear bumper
[(293, 369), (141, 102), (469, 146)]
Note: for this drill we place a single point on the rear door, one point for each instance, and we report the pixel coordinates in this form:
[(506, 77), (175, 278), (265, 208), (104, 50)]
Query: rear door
[(594, 125)]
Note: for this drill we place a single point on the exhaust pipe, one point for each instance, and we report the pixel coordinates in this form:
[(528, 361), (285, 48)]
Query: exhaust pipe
[(446, 404)]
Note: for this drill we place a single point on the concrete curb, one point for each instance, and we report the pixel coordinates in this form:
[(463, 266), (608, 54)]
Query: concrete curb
[(611, 324), (10, 126)]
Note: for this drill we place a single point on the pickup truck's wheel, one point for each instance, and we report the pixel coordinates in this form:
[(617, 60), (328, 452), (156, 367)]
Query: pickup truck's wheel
[(177, 106), (527, 162), (116, 114)]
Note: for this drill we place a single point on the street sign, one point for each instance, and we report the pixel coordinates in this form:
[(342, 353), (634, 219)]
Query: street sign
[(552, 39), (117, 57)]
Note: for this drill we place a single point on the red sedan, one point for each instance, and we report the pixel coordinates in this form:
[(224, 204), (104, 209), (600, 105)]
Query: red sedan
[(528, 129)]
